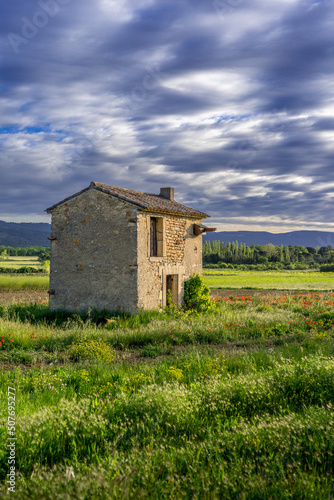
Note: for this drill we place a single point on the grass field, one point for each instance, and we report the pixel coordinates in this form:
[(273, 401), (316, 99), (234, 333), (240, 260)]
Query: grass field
[(275, 280), (288, 280), (14, 282), (234, 403), (17, 262)]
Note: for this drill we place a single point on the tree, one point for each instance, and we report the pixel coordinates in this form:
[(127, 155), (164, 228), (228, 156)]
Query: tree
[(207, 248), (311, 250), (286, 255), (281, 253), (43, 256), (270, 250), (3, 255)]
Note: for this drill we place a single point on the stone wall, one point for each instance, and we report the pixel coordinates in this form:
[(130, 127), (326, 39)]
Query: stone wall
[(183, 257), (100, 257), (94, 255)]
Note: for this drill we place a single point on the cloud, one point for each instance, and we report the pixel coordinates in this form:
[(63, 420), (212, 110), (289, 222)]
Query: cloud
[(229, 101)]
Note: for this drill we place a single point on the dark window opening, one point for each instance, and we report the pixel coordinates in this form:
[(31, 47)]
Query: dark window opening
[(154, 239)]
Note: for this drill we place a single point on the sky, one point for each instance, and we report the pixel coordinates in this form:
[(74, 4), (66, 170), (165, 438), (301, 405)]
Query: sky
[(231, 102)]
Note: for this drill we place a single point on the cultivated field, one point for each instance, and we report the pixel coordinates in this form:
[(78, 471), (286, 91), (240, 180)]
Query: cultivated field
[(258, 280), (22, 282), (274, 280), (17, 262), (15, 282), (234, 403)]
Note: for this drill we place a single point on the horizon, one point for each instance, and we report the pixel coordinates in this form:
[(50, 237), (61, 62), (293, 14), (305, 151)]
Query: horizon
[(209, 222)]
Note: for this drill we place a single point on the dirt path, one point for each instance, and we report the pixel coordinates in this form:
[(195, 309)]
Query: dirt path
[(23, 296)]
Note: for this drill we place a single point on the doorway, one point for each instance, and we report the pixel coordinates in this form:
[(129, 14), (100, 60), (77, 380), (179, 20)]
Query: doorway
[(172, 289)]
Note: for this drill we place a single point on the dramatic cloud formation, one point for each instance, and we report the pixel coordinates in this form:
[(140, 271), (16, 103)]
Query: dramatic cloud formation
[(231, 102)]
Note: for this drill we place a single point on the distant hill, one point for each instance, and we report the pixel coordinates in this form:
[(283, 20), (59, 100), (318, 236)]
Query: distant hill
[(295, 238), (24, 234)]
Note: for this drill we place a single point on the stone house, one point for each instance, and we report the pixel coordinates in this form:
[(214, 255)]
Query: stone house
[(122, 250)]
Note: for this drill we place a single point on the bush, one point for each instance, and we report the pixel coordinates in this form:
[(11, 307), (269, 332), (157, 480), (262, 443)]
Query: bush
[(46, 266), (20, 270), (327, 268), (197, 294), (91, 349)]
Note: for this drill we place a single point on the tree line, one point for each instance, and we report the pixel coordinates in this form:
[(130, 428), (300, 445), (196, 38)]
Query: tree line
[(231, 254), (23, 251), (43, 254)]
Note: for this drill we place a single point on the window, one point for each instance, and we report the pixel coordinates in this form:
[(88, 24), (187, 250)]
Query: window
[(154, 246), (157, 240)]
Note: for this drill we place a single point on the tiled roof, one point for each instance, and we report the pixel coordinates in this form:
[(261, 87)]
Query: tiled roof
[(146, 201)]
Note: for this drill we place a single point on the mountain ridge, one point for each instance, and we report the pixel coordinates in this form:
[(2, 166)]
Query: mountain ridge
[(294, 238), (21, 234), (24, 234)]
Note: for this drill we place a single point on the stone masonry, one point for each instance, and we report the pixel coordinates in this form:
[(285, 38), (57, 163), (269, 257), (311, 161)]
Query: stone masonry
[(101, 255)]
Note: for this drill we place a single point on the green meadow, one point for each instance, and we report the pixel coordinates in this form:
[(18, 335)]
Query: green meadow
[(235, 402), (274, 280), (19, 282), (17, 262), (230, 279)]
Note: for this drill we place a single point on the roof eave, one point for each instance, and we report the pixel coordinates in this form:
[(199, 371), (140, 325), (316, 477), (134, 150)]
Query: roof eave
[(69, 198), (123, 198), (198, 215)]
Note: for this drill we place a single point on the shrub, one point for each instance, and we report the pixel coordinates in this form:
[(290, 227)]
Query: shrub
[(91, 349), (327, 268), (46, 266), (196, 294), (20, 270)]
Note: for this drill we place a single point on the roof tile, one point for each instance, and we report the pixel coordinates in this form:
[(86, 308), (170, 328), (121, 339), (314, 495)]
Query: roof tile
[(146, 201)]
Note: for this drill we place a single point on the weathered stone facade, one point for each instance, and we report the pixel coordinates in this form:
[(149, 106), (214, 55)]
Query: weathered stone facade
[(183, 257), (101, 253)]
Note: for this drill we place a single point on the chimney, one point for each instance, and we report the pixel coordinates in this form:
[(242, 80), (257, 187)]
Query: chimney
[(167, 193)]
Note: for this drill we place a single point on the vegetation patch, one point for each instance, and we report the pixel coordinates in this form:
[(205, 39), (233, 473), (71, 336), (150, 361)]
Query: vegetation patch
[(269, 280), (16, 282), (91, 349), (172, 404)]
